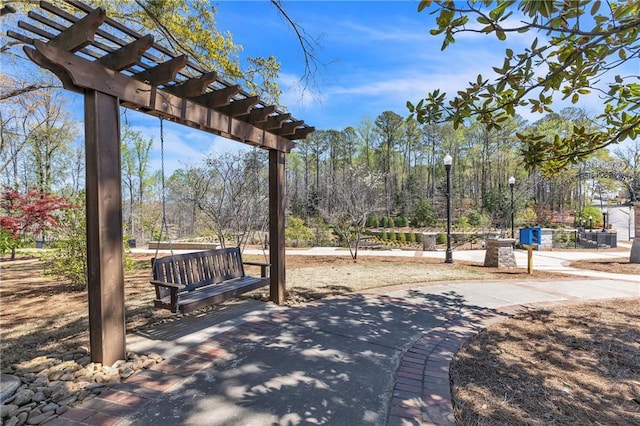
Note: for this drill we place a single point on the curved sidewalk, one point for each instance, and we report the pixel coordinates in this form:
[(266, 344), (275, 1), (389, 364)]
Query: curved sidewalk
[(380, 357)]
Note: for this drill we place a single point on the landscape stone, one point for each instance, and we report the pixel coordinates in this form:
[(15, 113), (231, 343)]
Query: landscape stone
[(40, 381), (50, 407), (26, 408), (13, 421), (22, 418), (34, 413), (55, 375), (31, 397), (8, 386), (41, 418), (8, 410), (23, 397), (68, 400), (39, 396)]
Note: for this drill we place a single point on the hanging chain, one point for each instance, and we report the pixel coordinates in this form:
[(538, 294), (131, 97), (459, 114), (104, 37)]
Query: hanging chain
[(163, 226)]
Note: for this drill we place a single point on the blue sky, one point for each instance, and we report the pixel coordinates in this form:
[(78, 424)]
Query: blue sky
[(377, 55)]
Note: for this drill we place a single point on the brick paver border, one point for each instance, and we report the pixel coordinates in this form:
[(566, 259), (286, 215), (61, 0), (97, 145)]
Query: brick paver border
[(426, 400)]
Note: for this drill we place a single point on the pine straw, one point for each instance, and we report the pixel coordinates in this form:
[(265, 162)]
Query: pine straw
[(573, 365), (617, 266)]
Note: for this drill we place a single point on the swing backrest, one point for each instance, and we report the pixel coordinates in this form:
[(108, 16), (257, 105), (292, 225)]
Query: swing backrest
[(197, 269)]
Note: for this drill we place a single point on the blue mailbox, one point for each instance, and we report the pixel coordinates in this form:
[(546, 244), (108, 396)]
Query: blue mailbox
[(530, 236)]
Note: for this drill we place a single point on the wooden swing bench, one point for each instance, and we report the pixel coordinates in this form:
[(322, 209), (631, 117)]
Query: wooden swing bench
[(187, 282)]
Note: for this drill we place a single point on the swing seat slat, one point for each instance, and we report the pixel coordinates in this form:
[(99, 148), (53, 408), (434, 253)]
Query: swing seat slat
[(187, 282)]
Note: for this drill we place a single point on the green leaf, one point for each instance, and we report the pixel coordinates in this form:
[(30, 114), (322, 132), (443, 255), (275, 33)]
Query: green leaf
[(488, 29), (424, 4), (595, 7), (501, 35)]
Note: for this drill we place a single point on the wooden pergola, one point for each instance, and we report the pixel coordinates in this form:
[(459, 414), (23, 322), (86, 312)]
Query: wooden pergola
[(113, 66)]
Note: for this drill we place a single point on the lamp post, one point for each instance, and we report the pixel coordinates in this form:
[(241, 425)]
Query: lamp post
[(512, 183), (447, 166), (604, 220), (590, 223)]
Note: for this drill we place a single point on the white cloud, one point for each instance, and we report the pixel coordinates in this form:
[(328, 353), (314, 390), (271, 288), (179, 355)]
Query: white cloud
[(295, 95)]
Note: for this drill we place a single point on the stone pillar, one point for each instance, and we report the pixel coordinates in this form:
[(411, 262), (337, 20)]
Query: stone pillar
[(500, 253), (636, 215), (635, 248), (429, 241)]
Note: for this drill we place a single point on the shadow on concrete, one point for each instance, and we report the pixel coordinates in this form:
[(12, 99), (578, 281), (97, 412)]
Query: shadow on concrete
[(330, 363)]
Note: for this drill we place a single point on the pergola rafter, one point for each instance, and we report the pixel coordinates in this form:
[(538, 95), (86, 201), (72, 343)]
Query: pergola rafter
[(113, 66)]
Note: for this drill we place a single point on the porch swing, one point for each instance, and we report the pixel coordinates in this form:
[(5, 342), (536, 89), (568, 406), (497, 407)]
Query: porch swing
[(190, 281)]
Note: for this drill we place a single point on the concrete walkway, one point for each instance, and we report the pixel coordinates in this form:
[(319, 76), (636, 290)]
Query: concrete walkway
[(375, 358)]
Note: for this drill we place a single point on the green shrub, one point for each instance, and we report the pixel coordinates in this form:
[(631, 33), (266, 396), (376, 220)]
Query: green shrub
[(297, 233), (401, 238), (391, 223), (383, 235), (403, 221), (462, 223), (478, 219), (423, 215), (384, 222), (375, 223), (441, 238), (69, 260), (411, 237), (418, 236), (392, 236), (596, 217), (7, 241)]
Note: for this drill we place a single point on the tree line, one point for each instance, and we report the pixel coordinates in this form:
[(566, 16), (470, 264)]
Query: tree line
[(387, 167)]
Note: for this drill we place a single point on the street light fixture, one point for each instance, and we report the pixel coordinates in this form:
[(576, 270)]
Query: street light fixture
[(604, 220), (447, 166), (512, 183), (590, 223)]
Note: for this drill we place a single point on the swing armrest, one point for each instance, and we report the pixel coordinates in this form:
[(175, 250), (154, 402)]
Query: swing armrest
[(263, 267), (174, 289)]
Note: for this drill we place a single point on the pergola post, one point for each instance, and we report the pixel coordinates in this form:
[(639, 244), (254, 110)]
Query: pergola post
[(276, 225), (104, 228)]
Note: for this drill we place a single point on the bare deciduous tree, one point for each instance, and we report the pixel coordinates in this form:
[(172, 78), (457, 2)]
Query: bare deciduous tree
[(356, 197)]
